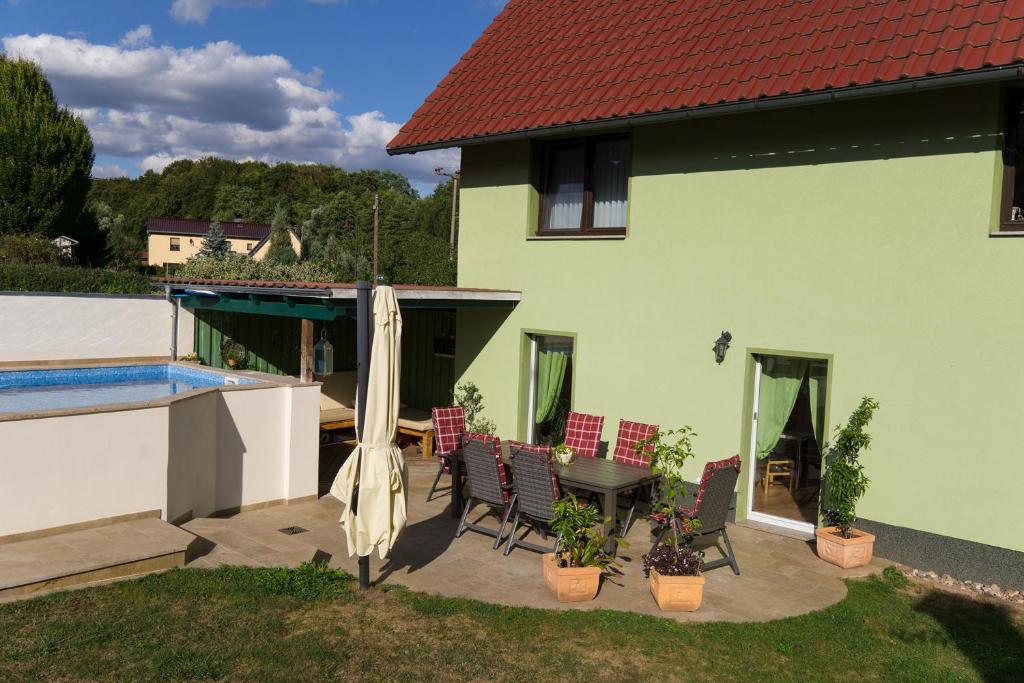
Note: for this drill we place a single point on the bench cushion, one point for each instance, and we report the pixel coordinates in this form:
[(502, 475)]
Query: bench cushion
[(415, 419), (337, 415)]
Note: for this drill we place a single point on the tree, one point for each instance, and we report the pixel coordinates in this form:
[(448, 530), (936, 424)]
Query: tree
[(215, 244), (46, 156), (123, 243), (281, 250)]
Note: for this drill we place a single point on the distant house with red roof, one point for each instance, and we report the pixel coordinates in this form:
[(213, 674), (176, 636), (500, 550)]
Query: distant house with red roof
[(835, 184), (175, 240)]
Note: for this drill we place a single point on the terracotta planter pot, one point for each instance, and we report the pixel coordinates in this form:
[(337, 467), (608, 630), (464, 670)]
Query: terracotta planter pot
[(677, 593), (570, 584), (232, 362), (845, 552)]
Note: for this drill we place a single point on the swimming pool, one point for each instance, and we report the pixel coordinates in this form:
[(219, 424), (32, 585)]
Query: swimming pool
[(55, 389)]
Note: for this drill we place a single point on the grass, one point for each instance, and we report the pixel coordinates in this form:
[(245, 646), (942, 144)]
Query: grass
[(237, 623)]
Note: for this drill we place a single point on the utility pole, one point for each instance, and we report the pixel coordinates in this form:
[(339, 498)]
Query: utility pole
[(376, 230), (455, 176)]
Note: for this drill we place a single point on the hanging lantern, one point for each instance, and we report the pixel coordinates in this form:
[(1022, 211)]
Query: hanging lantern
[(323, 356)]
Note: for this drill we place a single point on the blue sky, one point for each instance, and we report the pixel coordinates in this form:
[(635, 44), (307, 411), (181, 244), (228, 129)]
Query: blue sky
[(296, 80)]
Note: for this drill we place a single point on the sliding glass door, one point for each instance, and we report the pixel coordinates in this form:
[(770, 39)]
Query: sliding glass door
[(786, 442), (549, 398)]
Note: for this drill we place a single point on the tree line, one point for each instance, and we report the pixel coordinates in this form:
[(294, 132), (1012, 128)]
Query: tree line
[(46, 157)]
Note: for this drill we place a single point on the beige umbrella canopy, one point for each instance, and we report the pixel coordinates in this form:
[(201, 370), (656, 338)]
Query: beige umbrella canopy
[(376, 467)]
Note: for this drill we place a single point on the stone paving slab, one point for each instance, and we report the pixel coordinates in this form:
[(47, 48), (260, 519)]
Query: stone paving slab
[(91, 554), (781, 576)]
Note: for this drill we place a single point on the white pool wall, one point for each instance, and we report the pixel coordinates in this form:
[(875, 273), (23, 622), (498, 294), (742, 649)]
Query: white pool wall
[(218, 449), (49, 327)]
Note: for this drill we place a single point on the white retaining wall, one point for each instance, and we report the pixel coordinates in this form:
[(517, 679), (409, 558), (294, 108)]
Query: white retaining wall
[(47, 327)]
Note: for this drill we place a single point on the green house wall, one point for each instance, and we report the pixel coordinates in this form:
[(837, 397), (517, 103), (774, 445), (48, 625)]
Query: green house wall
[(272, 345), (859, 231)]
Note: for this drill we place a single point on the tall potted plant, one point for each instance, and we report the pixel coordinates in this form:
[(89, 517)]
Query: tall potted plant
[(845, 484), (573, 574), (672, 567)]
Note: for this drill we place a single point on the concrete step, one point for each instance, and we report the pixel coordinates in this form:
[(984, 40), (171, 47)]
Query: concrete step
[(114, 551)]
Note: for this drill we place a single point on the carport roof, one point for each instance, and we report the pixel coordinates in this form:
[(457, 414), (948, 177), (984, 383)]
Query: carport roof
[(319, 300)]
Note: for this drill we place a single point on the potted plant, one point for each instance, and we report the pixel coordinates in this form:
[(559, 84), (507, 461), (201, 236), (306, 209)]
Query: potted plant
[(673, 569), (190, 358), (233, 354), (564, 454), (845, 483), (573, 574)]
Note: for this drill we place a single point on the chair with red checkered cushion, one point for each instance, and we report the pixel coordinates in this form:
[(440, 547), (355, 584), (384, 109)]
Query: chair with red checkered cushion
[(630, 434), (583, 433), (488, 483), (449, 426), (711, 506)]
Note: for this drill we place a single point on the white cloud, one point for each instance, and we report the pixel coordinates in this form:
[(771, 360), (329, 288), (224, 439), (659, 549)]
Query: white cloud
[(198, 10), (108, 171), (159, 104), (143, 35)]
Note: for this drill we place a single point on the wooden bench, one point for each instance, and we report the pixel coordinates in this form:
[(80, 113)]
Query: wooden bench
[(411, 422)]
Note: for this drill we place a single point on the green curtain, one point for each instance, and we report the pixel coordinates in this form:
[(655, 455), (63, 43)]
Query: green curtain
[(816, 384), (780, 383), (550, 375)]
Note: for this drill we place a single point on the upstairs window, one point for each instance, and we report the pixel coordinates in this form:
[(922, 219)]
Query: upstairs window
[(175, 244), (1011, 218), (583, 187)]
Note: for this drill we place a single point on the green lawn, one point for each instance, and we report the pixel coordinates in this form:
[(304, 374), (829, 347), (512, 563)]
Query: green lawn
[(311, 624)]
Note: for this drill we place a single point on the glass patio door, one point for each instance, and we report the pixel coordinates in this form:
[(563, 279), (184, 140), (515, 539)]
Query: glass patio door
[(549, 398), (786, 437)]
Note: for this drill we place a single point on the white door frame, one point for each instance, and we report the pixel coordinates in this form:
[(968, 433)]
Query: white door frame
[(773, 520), (531, 398)]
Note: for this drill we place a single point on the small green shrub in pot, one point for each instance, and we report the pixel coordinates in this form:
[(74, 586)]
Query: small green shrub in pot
[(844, 484), (573, 574), (673, 568), (469, 397), (233, 354)]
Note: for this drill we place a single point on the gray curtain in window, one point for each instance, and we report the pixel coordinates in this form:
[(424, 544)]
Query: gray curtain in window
[(565, 189), (610, 180)]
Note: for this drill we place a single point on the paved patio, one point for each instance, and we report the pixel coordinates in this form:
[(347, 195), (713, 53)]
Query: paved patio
[(781, 576)]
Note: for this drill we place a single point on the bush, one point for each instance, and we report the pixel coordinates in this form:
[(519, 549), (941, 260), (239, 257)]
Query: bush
[(24, 277), (241, 267), (28, 249)]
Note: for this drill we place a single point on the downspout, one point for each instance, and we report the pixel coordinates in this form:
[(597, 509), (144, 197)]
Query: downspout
[(174, 321)]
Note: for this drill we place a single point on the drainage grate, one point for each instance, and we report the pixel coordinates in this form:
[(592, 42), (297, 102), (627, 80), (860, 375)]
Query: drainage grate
[(292, 530)]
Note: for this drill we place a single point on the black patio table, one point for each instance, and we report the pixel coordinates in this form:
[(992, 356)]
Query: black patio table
[(604, 477)]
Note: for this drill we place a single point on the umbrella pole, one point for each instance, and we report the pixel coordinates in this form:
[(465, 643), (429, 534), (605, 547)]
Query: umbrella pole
[(364, 339)]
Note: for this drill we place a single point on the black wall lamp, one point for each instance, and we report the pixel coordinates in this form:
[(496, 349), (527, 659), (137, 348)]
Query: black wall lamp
[(721, 346)]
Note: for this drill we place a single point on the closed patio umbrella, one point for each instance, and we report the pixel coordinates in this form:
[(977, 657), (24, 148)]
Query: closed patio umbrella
[(376, 468)]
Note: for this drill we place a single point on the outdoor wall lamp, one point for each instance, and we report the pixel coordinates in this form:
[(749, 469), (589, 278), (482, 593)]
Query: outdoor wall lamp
[(721, 346), (323, 356)]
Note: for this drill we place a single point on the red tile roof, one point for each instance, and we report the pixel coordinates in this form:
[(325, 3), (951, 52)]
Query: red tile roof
[(543, 64), (187, 226)]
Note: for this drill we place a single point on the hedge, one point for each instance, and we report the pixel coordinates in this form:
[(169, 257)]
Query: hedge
[(23, 277)]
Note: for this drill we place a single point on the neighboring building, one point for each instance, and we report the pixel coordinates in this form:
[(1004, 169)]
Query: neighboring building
[(837, 185), (65, 247), (174, 240)]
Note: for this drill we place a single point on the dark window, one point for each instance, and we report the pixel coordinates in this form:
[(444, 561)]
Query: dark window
[(584, 186), (175, 244), (1013, 175)]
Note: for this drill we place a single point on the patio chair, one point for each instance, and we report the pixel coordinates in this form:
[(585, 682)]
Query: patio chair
[(583, 433), (488, 483), (449, 426), (630, 434), (711, 506), (535, 487)]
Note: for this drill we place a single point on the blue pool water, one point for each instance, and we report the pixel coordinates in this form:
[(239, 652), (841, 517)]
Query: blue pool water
[(34, 390)]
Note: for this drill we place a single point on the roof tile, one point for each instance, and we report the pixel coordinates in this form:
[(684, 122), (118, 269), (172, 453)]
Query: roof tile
[(541, 63)]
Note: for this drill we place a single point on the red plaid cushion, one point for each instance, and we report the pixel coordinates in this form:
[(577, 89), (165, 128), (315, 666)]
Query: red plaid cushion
[(495, 444), (583, 433), (630, 434), (709, 471), (540, 450), (449, 425)]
